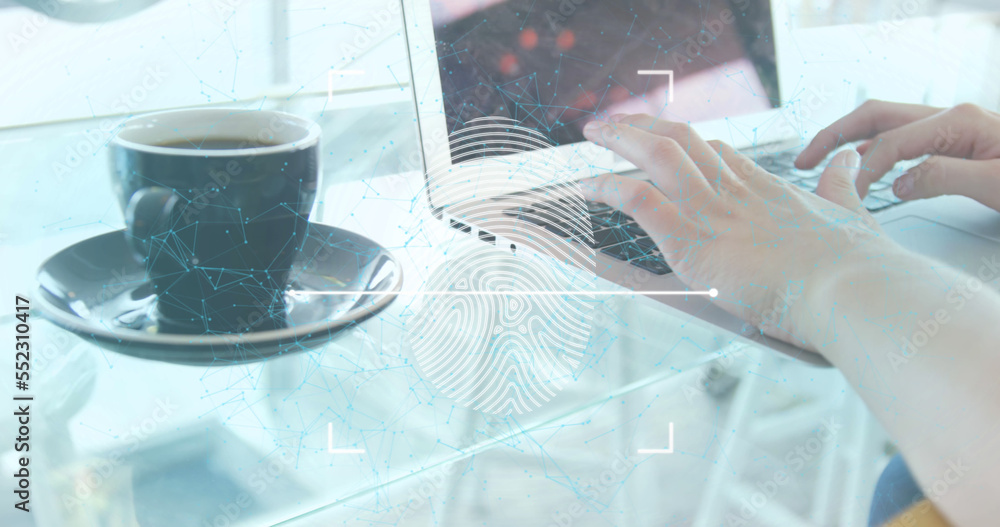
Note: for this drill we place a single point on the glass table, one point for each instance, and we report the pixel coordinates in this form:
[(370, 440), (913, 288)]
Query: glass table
[(665, 421)]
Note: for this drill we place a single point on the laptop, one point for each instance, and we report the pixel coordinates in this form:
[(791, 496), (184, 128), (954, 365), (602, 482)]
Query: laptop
[(551, 66)]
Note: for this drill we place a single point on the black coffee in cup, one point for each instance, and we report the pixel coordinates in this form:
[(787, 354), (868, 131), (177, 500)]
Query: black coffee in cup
[(217, 203)]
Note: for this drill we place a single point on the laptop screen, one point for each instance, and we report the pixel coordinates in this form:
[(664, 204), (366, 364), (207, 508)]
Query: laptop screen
[(555, 65)]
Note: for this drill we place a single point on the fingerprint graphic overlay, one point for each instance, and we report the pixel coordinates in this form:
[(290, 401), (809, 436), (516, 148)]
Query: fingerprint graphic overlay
[(513, 328), (497, 344)]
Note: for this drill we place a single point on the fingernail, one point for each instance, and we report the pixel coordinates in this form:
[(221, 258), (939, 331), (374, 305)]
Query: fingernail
[(852, 159), (592, 130), (903, 186), (617, 117)]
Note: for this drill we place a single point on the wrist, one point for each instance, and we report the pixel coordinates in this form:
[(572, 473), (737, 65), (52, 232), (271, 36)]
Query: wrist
[(848, 285)]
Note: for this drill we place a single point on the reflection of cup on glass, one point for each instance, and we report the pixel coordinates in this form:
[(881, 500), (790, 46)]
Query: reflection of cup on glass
[(216, 203)]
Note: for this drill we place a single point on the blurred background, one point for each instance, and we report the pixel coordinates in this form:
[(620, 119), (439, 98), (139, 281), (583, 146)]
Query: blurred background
[(343, 63), (57, 67)]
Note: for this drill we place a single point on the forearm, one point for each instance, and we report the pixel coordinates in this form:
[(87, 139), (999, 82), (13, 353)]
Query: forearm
[(919, 341)]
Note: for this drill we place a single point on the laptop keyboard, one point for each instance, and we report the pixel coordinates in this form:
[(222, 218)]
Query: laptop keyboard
[(618, 235), (879, 196)]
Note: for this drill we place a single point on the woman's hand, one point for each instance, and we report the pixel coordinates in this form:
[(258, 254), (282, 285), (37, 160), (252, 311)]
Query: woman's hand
[(723, 222), (924, 365), (963, 144)]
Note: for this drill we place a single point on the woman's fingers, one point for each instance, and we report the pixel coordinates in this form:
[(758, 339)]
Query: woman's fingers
[(961, 131), (836, 184), (863, 147), (866, 121), (635, 197), (674, 233), (938, 176), (704, 156), (755, 178), (662, 158)]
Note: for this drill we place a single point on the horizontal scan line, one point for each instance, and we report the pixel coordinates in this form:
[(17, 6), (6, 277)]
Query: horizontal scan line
[(711, 292)]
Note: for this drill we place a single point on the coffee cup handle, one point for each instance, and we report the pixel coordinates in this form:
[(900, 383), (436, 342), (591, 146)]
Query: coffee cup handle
[(150, 211)]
